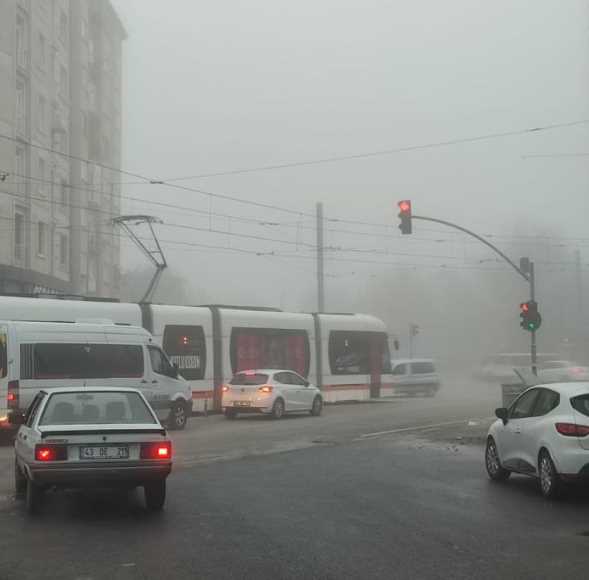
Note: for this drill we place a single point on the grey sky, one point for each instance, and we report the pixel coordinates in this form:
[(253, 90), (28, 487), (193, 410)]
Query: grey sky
[(221, 85)]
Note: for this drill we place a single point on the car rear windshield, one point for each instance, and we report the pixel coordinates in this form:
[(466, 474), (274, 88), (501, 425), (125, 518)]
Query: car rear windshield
[(581, 404), (96, 408), (420, 368), (247, 379)]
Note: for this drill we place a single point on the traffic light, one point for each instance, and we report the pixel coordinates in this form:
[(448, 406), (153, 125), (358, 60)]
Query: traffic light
[(405, 216), (529, 315)]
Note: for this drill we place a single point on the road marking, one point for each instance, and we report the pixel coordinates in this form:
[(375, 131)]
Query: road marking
[(416, 428)]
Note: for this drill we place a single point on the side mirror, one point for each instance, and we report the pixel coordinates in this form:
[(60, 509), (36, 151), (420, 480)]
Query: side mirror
[(502, 413), (307, 383), (16, 419)]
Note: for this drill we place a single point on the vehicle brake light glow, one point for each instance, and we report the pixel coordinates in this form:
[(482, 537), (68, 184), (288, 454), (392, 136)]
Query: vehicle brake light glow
[(225, 388), (572, 429), (156, 450), (265, 389), (50, 453), (12, 395)]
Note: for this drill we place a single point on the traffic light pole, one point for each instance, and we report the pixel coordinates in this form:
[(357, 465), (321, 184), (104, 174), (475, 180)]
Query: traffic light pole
[(528, 276), (479, 238), (532, 281)]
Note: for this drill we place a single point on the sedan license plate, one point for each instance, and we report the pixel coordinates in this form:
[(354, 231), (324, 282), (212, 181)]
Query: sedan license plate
[(107, 452), (242, 404)]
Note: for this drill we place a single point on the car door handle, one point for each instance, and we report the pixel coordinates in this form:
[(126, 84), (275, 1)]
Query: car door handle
[(517, 430), (144, 381), (153, 382)]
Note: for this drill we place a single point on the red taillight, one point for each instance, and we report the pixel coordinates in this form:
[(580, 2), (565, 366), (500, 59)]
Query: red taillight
[(156, 450), (50, 453), (12, 395), (224, 388), (572, 429), (265, 389)]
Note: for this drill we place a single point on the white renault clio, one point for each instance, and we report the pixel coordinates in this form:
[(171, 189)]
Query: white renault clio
[(270, 391), (544, 434)]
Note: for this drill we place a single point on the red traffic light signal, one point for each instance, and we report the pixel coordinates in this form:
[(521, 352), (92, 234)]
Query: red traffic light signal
[(530, 318), (405, 216), (405, 206)]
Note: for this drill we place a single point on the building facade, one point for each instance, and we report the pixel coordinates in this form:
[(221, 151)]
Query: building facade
[(60, 146)]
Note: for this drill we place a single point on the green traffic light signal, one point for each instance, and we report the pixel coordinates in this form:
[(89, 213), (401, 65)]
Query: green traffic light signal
[(530, 317)]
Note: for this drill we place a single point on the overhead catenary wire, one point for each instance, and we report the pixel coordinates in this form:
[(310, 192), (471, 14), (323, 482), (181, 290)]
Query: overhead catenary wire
[(171, 182), (265, 222), (378, 153)]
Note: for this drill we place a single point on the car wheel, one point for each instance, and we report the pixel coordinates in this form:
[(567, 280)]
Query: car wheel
[(549, 479), (493, 464), (155, 494), (230, 414), (178, 416), (317, 406), (278, 409), (34, 496), (20, 481)]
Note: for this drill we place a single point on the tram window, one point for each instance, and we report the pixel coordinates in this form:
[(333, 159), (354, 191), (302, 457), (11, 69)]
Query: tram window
[(186, 347), (270, 348), (358, 353)]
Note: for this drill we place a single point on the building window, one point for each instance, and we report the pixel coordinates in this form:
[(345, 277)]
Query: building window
[(63, 27), (21, 107), (63, 193), (41, 175), (41, 114), (41, 238), (21, 40), (42, 51), (63, 250), (63, 81), (20, 170), (19, 235)]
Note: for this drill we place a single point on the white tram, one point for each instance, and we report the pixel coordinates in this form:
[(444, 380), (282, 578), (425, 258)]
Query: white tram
[(346, 355)]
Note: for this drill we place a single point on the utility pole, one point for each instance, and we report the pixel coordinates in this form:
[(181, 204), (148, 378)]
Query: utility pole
[(413, 332), (579, 286), (320, 269), (532, 280)]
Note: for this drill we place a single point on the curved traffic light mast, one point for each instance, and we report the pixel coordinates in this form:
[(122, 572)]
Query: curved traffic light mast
[(530, 317)]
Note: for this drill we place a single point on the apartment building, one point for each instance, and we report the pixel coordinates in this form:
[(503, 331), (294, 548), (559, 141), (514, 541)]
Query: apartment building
[(60, 146)]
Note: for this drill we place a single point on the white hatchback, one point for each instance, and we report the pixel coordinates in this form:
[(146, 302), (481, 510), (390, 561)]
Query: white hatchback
[(270, 391), (544, 434)]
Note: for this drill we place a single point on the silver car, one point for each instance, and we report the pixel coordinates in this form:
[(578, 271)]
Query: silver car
[(91, 437), (417, 376)]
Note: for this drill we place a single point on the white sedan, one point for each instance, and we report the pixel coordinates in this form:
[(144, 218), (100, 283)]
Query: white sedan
[(270, 391), (544, 434), (91, 437)]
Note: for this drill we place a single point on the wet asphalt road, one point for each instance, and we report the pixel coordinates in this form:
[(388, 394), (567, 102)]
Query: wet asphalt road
[(368, 491)]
